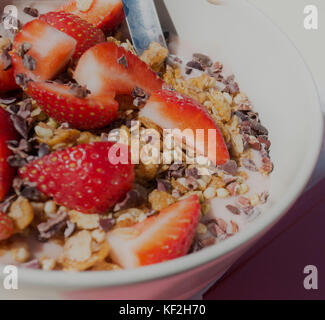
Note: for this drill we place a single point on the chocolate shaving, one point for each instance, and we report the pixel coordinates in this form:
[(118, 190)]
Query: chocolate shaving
[(69, 230), (140, 96), (164, 185), (264, 197), (123, 61), (49, 228), (176, 171), (21, 80), (23, 49), (194, 65), (44, 149), (106, 224), (33, 264), (6, 60), (8, 101), (78, 91), (5, 205), (233, 209), (134, 198), (16, 161), (33, 12), (192, 172), (20, 125), (29, 62), (230, 167), (249, 164), (203, 60)]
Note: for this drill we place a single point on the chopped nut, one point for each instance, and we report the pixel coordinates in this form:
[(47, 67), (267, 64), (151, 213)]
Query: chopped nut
[(222, 193), (243, 188), (22, 214), (44, 131), (47, 264), (254, 199), (201, 229), (210, 193), (20, 252), (160, 200), (84, 221), (50, 207), (98, 235)]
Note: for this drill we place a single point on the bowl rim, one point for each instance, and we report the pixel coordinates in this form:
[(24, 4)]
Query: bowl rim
[(61, 279)]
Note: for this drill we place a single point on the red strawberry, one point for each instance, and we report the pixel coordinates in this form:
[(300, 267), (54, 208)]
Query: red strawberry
[(172, 110), (62, 103), (48, 51), (88, 178), (104, 14), (7, 79), (7, 133), (6, 227), (167, 236), (108, 67), (83, 32)]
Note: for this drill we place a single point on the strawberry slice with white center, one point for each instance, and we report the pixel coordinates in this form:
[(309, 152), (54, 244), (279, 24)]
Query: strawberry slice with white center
[(89, 178), (73, 105), (41, 51), (83, 32), (108, 67), (166, 236), (104, 14), (172, 110)]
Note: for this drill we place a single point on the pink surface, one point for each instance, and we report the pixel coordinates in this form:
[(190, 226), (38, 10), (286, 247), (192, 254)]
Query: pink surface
[(273, 268)]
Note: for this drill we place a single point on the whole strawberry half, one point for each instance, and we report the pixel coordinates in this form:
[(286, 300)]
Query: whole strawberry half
[(6, 227), (104, 14), (41, 52), (73, 105), (83, 32), (7, 133), (88, 178), (166, 236), (172, 110), (109, 67)]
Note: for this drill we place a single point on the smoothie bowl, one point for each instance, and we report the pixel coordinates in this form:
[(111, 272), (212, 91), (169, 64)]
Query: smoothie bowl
[(146, 177)]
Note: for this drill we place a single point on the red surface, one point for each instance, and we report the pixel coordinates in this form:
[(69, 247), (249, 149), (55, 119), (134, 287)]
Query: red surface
[(273, 269)]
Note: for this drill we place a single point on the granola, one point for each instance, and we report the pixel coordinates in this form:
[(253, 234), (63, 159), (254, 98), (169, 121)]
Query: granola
[(235, 190)]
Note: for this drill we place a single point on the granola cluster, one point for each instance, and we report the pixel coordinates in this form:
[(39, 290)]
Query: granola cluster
[(81, 238)]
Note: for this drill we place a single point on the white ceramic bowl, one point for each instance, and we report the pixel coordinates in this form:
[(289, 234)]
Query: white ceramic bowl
[(273, 74)]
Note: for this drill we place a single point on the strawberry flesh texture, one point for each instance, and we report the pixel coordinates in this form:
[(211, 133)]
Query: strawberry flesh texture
[(7, 79), (7, 133), (51, 49), (6, 227), (172, 110), (58, 101), (166, 236), (101, 69), (83, 32), (104, 14), (83, 178)]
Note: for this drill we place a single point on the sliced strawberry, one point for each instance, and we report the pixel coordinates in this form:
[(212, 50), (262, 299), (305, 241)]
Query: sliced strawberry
[(7, 79), (48, 51), (104, 14), (167, 236), (70, 104), (7, 133), (172, 110), (88, 178), (6, 227), (108, 67), (83, 32)]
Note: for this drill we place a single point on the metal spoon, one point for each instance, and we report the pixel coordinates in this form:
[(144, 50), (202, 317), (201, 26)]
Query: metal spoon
[(143, 23)]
